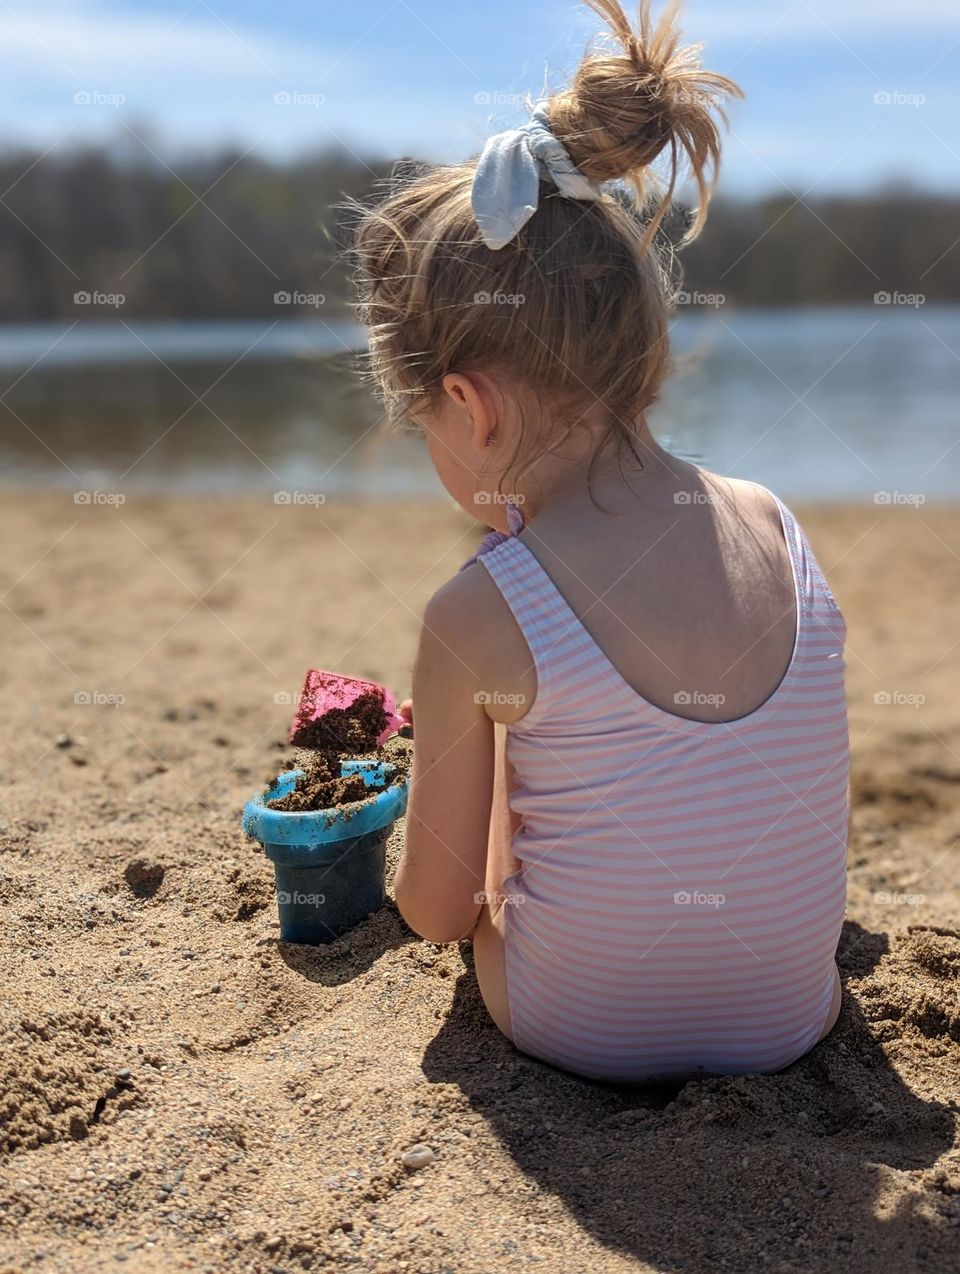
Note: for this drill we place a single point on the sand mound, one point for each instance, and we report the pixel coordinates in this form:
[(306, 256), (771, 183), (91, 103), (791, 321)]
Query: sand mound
[(907, 1004), (920, 1001), (56, 1077)]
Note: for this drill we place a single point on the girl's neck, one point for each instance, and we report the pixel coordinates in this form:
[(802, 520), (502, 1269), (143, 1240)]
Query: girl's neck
[(557, 484)]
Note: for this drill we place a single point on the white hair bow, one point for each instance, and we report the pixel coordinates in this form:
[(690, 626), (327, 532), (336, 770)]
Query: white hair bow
[(507, 182)]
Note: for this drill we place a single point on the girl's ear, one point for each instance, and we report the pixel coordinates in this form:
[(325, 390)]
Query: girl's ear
[(471, 395)]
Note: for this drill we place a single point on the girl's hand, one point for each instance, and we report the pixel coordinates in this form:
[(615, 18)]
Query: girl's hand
[(405, 711)]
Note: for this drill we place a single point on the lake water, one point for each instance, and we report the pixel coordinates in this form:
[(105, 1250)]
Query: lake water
[(818, 404)]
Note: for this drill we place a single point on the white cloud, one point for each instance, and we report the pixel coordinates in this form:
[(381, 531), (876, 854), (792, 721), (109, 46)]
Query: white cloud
[(116, 47)]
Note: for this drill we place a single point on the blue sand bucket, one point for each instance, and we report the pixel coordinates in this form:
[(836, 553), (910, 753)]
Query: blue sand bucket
[(330, 864)]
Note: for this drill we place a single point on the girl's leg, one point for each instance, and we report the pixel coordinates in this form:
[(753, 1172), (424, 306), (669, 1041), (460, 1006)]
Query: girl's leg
[(489, 957), (488, 937), (835, 1005)]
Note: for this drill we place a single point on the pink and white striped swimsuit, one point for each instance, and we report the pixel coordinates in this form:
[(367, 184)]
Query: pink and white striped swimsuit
[(682, 884)]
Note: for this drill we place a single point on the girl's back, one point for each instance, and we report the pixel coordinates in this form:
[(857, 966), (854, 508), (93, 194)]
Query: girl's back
[(681, 883), (684, 581)]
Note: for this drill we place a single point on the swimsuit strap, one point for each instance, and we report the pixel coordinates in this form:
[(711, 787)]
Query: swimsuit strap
[(493, 539)]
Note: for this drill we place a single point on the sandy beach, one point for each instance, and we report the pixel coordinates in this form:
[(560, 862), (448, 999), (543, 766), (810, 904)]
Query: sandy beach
[(183, 1092)]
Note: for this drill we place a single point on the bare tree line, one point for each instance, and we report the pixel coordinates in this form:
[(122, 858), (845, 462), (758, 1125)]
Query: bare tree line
[(226, 235)]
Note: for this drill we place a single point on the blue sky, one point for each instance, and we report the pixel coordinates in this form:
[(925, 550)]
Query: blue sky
[(434, 77)]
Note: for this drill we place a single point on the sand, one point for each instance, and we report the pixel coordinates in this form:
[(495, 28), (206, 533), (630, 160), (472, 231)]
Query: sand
[(181, 1092)]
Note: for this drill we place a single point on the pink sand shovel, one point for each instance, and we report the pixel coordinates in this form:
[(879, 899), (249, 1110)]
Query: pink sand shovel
[(323, 691)]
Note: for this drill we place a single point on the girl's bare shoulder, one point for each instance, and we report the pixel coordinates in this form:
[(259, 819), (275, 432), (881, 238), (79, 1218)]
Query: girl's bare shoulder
[(753, 500), (470, 617)]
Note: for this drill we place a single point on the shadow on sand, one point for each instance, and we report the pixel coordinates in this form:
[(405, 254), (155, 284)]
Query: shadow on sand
[(781, 1172), (344, 958)]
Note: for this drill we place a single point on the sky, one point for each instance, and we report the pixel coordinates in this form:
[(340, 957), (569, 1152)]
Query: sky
[(842, 95)]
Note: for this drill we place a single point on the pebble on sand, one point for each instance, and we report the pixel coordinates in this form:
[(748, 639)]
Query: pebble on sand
[(417, 1157)]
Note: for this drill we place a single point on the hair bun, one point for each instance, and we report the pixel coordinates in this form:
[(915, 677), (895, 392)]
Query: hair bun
[(629, 104)]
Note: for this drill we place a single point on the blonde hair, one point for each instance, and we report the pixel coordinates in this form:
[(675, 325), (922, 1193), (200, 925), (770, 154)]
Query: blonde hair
[(585, 288)]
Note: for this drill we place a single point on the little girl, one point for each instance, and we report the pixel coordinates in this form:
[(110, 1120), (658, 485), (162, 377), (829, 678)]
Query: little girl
[(630, 778)]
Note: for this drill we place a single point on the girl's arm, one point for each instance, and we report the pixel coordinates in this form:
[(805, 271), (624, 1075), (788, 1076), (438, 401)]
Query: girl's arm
[(440, 879)]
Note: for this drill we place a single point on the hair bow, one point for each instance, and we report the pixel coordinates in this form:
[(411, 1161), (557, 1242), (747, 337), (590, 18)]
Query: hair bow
[(507, 182)]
